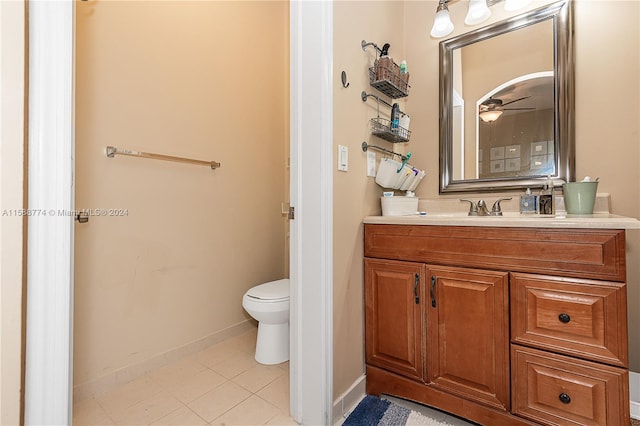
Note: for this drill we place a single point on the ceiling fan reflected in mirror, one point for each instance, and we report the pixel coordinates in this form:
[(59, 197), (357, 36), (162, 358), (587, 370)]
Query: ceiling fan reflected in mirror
[(492, 108)]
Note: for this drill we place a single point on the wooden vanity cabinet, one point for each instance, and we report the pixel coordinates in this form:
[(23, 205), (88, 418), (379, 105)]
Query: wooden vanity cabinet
[(499, 325)]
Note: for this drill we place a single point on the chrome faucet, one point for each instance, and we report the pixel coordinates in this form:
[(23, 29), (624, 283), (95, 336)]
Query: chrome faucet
[(480, 208)]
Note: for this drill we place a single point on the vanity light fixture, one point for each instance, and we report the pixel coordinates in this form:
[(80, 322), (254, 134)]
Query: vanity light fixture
[(442, 25), (489, 116), (477, 13)]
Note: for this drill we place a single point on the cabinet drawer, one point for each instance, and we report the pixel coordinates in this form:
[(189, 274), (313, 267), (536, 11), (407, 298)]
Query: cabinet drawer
[(559, 390), (584, 253), (576, 317)]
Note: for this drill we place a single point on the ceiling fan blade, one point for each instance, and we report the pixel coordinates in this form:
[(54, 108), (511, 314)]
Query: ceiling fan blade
[(515, 100)]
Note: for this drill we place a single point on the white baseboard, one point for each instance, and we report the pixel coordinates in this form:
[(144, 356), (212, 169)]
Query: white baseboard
[(345, 403), (126, 374), (634, 394)]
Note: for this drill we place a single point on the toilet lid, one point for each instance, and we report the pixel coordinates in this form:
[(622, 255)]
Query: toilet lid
[(274, 290)]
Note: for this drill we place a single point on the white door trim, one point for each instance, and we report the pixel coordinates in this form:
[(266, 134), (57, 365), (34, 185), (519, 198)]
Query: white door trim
[(49, 312), (311, 39)]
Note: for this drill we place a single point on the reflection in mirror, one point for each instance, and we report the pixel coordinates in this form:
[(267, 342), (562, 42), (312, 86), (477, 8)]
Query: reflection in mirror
[(507, 103), (515, 129)]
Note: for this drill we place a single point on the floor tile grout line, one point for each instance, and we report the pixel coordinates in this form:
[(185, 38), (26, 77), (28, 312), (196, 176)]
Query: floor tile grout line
[(199, 416), (274, 416), (143, 402), (262, 387), (168, 414), (104, 410), (270, 403), (159, 389), (171, 390), (231, 408), (107, 412), (165, 415)]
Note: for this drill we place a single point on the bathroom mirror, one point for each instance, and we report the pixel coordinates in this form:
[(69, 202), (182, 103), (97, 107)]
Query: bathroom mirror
[(507, 103)]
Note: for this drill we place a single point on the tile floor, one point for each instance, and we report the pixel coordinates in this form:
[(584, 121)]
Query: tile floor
[(221, 385)]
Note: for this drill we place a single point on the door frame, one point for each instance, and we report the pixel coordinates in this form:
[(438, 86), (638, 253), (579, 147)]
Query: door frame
[(49, 297), (311, 182), (49, 324)]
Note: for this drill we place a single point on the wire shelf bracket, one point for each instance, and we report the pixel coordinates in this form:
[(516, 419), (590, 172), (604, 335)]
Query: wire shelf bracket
[(404, 158)]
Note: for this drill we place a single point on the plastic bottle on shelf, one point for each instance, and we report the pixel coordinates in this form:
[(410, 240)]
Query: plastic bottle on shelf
[(403, 124), (404, 77), (395, 117), (383, 64)]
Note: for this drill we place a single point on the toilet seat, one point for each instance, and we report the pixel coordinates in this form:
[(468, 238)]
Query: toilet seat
[(274, 291)]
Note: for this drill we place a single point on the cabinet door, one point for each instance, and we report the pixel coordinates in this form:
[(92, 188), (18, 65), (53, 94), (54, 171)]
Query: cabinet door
[(393, 316), (468, 334)]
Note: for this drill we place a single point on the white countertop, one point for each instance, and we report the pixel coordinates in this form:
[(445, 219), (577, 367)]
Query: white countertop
[(453, 212), (512, 220)]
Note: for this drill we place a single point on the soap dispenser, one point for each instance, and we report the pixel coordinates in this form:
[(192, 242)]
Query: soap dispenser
[(528, 203), (546, 198)]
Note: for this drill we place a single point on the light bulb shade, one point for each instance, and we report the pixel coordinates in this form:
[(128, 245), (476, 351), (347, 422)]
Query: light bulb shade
[(511, 5), (478, 12), (489, 116), (442, 24)]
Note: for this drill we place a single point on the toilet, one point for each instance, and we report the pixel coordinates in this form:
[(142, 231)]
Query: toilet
[(268, 303)]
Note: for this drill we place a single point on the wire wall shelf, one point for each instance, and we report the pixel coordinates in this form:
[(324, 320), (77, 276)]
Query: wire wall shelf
[(382, 128), (385, 76)]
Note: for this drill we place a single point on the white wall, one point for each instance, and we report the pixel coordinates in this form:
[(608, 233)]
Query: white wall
[(12, 57)]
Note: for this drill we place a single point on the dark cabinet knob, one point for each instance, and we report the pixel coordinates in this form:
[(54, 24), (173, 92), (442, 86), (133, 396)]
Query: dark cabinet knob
[(565, 318), (564, 398)]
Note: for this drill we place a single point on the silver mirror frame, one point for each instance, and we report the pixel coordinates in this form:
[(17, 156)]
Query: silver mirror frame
[(564, 112)]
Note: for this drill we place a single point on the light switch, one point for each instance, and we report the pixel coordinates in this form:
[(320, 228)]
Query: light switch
[(343, 158)]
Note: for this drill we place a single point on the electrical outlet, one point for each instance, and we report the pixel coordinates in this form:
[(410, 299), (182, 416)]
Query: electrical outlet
[(371, 163)]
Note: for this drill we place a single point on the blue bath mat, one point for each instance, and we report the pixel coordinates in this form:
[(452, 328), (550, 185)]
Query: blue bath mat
[(373, 411)]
